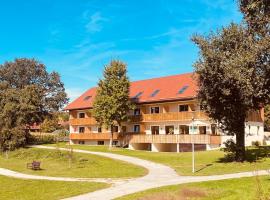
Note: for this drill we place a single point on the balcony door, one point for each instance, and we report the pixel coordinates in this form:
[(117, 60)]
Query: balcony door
[(202, 130), (155, 130), (169, 130), (184, 129)]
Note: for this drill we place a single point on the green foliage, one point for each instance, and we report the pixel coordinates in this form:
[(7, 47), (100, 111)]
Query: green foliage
[(42, 139), (267, 117), (49, 125), (112, 103), (230, 149), (234, 70), (28, 94)]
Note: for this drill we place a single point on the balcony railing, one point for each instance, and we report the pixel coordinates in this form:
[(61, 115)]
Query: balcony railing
[(93, 136), (177, 116), (83, 121), (197, 139)]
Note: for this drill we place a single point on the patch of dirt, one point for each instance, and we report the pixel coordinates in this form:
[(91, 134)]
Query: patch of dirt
[(183, 194)]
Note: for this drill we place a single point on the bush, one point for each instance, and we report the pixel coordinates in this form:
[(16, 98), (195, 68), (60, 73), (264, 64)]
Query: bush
[(41, 139), (230, 149), (256, 143)]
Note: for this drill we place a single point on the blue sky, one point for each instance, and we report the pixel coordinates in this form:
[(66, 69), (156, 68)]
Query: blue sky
[(78, 37)]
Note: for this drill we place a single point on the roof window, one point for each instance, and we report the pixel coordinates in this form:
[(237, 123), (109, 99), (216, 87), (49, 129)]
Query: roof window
[(87, 98), (155, 93), (183, 89)]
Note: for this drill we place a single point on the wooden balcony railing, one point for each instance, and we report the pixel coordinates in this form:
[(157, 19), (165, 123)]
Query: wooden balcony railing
[(82, 121), (171, 116), (254, 116), (197, 139), (93, 136)]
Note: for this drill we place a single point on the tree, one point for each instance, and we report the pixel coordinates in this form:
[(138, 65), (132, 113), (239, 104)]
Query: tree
[(28, 95), (49, 125), (267, 117), (234, 72), (112, 103)]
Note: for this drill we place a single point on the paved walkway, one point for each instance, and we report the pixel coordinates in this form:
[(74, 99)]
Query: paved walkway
[(159, 175)]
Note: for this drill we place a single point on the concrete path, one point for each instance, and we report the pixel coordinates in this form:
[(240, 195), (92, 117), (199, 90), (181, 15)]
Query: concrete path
[(158, 175), (10, 173)]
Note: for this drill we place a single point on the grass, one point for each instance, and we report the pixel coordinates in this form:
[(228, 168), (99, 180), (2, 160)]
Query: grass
[(206, 162), (21, 189), (57, 163), (232, 189)]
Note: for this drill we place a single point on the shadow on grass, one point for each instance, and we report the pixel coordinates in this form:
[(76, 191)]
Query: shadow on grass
[(204, 167), (253, 154)]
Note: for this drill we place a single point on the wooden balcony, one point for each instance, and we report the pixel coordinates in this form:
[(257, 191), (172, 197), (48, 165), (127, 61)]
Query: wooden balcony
[(93, 136), (175, 116), (197, 139), (82, 121), (254, 116)]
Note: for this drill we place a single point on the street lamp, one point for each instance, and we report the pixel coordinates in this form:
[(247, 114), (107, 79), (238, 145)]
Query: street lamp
[(193, 156)]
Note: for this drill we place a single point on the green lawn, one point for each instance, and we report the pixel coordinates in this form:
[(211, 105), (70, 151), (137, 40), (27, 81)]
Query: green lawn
[(21, 189), (206, 162), (57, 163), (233, 189)]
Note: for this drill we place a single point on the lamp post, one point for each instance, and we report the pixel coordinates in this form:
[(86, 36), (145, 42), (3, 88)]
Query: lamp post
[(193, 156)]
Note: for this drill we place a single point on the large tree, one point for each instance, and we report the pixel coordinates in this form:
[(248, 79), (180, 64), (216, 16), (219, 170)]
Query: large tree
[(28, 95), (234, 71), (112, 103)]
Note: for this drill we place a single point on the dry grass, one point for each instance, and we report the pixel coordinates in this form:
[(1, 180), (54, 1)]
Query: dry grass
[(183, 194)]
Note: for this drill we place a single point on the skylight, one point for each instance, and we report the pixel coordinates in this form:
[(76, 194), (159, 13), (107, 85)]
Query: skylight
[(138, 95), (183, 89), (155, 93), (87, 98)]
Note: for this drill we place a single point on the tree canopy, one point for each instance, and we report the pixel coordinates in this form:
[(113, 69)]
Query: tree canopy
[(234, 70), (28, 95), (112, 103)]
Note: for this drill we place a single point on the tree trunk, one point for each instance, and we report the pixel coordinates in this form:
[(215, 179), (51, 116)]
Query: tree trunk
[(240, 155), (111, 140)]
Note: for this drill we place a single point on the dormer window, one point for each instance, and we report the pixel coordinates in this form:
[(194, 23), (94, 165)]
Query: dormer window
[(183, 89)]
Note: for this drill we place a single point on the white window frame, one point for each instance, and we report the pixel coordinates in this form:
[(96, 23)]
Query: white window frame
[(154, 107), (158, 128), (78, 115), (134, 128), (183, 105)]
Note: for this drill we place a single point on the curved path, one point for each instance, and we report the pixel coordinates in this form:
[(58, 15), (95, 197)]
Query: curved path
[(158, 175)]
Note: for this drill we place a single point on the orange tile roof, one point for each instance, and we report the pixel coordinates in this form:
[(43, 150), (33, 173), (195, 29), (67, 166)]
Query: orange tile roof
[(168, 87)]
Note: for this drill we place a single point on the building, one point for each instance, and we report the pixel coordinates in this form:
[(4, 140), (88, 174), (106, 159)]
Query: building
[(167, 118)]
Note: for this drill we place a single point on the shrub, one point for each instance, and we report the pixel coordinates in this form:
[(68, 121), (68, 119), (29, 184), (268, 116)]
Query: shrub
[(256, 143), (42, 139), (230, 149)]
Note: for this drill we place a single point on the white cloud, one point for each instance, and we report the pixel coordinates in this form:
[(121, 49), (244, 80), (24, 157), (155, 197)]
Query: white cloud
[(74, 93), (95, 23)]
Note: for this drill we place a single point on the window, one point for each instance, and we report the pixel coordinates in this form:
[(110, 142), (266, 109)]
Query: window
[(154, 93), (169, 130), (115, 129), (154, 110), (99, 129), (114, 143), (81, 115), (138, 95), (183, 108), (100, 142), (87, 98), (81, 142), (183, 129), (137, 111), (183, 89), (155, 130), (124, 129), (202, 130), (81, 129), (136, 128)]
